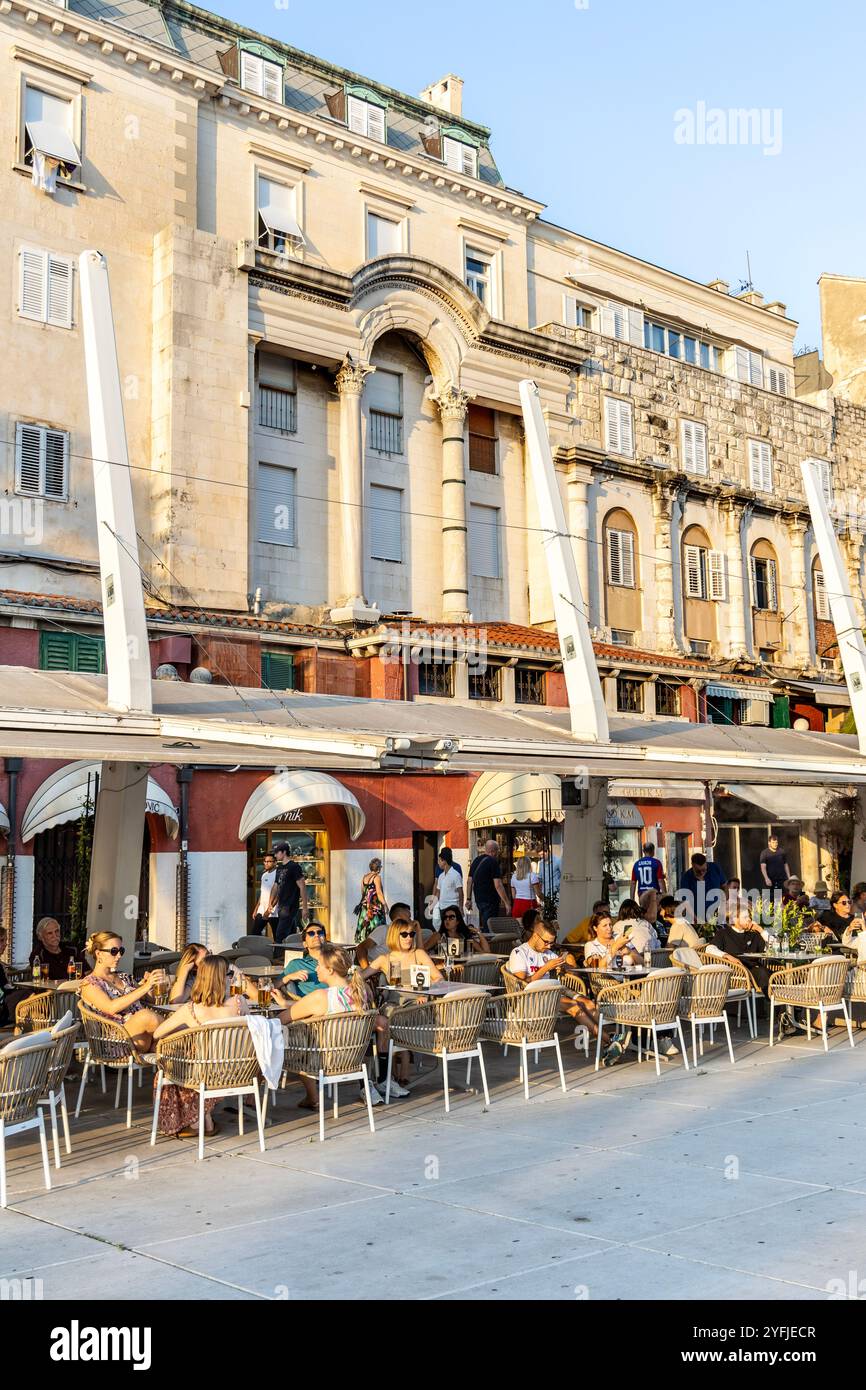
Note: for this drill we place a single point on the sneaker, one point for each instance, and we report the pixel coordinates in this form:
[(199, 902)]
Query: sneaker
[(376, 1098), (613, 1054), (396, 1089)]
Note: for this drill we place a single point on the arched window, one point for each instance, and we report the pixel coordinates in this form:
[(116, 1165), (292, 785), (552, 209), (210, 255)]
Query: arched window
[(704, 584), (765, 578), (621, 575)]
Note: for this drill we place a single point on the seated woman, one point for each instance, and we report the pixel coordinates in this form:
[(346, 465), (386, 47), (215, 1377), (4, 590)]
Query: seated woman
[(455, 925), (117, 996), (302, 972), (402, 949), (840, 917), (184, 980), (178, 1106), (598, 951), (344, 992)]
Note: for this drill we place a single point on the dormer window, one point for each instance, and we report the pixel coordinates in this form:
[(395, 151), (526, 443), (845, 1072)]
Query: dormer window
[(365, 118), (263, 78), (460, 157)]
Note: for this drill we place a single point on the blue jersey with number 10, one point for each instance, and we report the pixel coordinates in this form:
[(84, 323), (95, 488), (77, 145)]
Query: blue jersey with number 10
[(647, 873)]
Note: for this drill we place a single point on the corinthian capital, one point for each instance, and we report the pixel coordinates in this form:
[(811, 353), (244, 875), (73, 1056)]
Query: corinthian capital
[(453, 403), (351, 376)]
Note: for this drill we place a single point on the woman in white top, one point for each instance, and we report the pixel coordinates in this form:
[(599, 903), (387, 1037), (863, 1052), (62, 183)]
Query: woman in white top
[(525, 887), (344, 992), (599, 951)]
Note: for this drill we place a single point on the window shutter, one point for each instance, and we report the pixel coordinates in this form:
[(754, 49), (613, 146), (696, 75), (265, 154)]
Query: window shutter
[(635, 327), (626, 430), (383, 236), (28, 456), (614, 558), (718, 577), (55, 651), (756, 369), (749, 366), (826, 480), (376, 122), (753, 566), (570, 310), (452, 154), (31, 291), (777, 380), (822, 599), (278, 671), (615, 322), (692, 558), (619, 426), (56, 464), (357, 116), (384, 392), (275, 504), (760, 466), (386, 528), (470, 162), (694, 447), (252, 73), (60, 280), (484, 541), (88, 654), (272, 82), (772, 587)]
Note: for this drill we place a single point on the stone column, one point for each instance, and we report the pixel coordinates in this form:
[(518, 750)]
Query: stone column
[(738, 638), (352, 606), (800, 644), (667, 558), (852, 547), (453, 405), (579, 480)]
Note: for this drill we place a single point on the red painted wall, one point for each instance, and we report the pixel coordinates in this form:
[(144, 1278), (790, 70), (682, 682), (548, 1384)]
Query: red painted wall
[(556, 692), (814, 716), (689, 703), (19, 646)]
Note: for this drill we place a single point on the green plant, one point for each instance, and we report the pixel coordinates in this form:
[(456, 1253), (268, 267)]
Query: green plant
[(78, 893)]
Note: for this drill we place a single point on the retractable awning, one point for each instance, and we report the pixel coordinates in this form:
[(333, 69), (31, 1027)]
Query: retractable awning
[(740, 692), (52, 140), (63, 796), (783, 803), (513, 798), (285, 792)]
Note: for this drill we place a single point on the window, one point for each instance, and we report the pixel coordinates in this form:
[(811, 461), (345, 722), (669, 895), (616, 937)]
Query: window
[(694, 446), (45, 287), (619, 426), (574, 313), (49, 144), (748, 366), (621, 637), (629, 695), (261, 77), (366, 118), (698, 352), (460, 157), (479, 275), (385, 407), (384, 236), (777, 380), (484, 541), (760, 466), (278, 671), (619, 321), (529, 685), (826, 479), (278, 393), (275, 504), (436, 678), (42, 462), (822, 598), (71, 651), (667, 699), (278, 227), (764, 584), (386, 528), (486, 684), (620, 559), (482, 440), (705, 573)]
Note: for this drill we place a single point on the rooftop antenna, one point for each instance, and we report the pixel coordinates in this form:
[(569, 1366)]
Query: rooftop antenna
[(747, 284)]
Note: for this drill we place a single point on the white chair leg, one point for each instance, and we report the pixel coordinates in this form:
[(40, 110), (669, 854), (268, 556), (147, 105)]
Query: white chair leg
[(754, 1002), (524, 1068), (808, 1025), (55, 1139), (64, 1113), (103, 1080), (388, 1075), (445, 1080), (84, 1072), (639, 1046), (129, 1072), (44, 1146), (368, 1097), (824, 1027), (156, 1101), (772, 1020), (260, 1115), (240, 1116), (847, 1014), (201, 1121), (468, 1070), (559, 1062), (321, 1107), (336, 1090), (2, 1163), (728, 1035), (655, 1047), (117, 1088), (683, 1049), (483, 1071)]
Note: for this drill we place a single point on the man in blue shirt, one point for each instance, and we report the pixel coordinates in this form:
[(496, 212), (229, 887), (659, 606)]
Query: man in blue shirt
[(698, 884), (648, 872)]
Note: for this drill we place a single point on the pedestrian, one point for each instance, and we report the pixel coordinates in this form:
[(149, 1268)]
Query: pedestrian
[(485, 887), (648, 872), (550, 874), (704, 879), (289, 894), (773, 865), (263, 917), (372, 908), (448, 888), (525, 891)]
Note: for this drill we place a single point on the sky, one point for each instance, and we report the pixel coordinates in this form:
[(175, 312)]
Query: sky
[(604, 111)]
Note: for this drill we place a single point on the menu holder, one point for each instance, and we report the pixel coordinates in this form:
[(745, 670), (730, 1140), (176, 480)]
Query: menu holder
[(419, 977)]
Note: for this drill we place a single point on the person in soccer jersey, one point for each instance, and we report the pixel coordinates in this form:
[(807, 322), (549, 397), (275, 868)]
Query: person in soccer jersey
[(648, 872)]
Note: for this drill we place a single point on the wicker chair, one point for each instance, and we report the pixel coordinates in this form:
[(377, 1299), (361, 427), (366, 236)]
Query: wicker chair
[(43, 1010), (525, 1020), (332, 1049), (23, 1077), (650, 1004), (446, 1028), (855, 985), (661, 958), (450, 968), (483, 969), (820, 985), (504, 931), (109, 1046), (573, 983), (702, 1003), (215, 1060), (55, 1086), (511, 982)]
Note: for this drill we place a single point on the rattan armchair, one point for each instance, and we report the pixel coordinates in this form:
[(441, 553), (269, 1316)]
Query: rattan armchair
[(43, 1010), (215, 1060), (110, 1046), (483, 969), (855, 985), (525, 1020), (23, 1076), (650, 1004), (55, 1086), (702, 1003), (331, 1050), (511, 982), (819, 986), (446, 1028)]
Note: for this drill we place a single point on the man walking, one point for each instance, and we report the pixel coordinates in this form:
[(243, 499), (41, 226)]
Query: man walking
[(648, 873), (485, 887), (774, 865), (288, 894), (262, 917)]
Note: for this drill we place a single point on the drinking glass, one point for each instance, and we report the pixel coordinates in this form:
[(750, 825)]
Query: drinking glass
[(264, 988)]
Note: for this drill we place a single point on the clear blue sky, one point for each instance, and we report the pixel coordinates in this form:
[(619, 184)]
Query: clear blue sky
[(582, 103)]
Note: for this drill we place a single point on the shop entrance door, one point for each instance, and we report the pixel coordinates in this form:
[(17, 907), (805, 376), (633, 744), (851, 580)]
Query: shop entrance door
[(425, 848), (309, 845)]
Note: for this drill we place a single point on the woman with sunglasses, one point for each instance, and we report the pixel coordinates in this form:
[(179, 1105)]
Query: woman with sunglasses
[(455, 924), (117, 996), (403, 947), (839, 918), (302, 972)]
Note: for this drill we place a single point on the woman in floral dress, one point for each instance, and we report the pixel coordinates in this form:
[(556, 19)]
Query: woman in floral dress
[(372, 909)]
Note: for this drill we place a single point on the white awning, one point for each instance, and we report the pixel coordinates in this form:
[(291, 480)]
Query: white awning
[(63, 795), (512, 798), (4, 818), (276, 209), (624, 815), (741, 692), (783, 803), (54, 141), (276, 797), (832, 695)]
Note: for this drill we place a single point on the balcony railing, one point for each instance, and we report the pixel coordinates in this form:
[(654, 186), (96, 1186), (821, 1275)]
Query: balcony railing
[(529, 686), (278, 409), (386, 432)]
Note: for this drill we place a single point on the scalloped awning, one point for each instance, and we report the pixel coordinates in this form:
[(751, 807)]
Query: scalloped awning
[(292, 791)]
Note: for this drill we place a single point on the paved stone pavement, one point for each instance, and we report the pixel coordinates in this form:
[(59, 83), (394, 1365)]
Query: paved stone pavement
[(729, 1182)]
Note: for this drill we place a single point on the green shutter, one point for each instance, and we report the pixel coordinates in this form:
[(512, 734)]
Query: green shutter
[(278, 671), (71, 651), (55, 651), (781, 718), (89, 655)]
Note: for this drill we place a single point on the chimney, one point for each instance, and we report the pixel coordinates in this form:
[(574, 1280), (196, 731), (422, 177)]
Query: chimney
[(753, 297), (720, 286), (446, 94)]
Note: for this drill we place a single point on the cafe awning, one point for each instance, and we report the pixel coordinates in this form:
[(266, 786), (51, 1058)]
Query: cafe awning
[(513, 798), (740, 692), (63, 796), (278, 797), (783, 803)]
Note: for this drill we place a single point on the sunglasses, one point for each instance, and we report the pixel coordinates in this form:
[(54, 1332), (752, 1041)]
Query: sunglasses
[(407, 935), (314, 933), (114, 951)]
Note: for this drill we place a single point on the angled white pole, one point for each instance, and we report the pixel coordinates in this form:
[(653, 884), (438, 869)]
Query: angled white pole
[(585, 696), (127, 655), (852, 648)]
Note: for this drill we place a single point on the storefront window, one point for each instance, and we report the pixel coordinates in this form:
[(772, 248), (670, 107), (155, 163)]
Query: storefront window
[(309, 846)]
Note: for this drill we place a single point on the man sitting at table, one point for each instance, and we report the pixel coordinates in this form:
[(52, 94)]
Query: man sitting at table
[(538, 958), (739, 938), (54, 954)]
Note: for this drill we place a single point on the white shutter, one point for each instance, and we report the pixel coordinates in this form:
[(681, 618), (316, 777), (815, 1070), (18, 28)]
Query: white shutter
[(56, 464), (754, 574), (693, 571), (386, 530), (777, 381), (694, 446), (28, 458), (635, 327), (60, 282), (822, 599), (619, 426), (275, 504), (616, 319), (376, 122), (826, 480), (272, 82), (252, 73), (452, 154), (384, 392), (484, 541), (614, 558), (760, 466), (366, 119), (31, 283), (717, 575), (772, 587), (749, 366), (570, 310), (470, 162)]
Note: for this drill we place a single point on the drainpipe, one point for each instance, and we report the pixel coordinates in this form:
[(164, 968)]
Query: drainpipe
[(181, 909), (13, 768)]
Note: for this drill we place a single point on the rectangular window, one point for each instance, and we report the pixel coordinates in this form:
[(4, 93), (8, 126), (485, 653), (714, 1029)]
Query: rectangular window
[(667, 699), (629, 695), (484, 541), (436, 678), (479, 275), (575, 314), (42, 462), (278, 393), (386, 523), (764, 585), (748, 366), (695, 571), (822, 599), (366, 118), (49, 133), (486, 684), (275, 504), (384, 236), (694, 446), (384, 391), (529, 685), (71, 651), (460, 157), (45, 286), (620, 559), (619, 426), (760, 466), (278, 227), (482, 440), (261, 77), (278, 671), (777, 380)]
